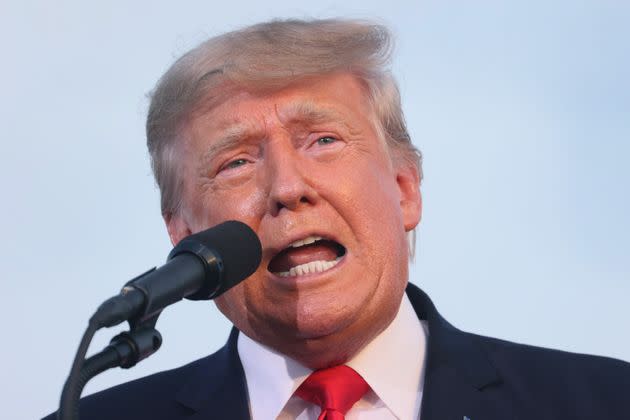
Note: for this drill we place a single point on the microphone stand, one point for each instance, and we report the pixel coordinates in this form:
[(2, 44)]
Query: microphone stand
[(125, 350), (199, 261)]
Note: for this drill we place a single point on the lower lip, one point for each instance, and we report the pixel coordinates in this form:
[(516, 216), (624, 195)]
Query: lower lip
[(310, 279)]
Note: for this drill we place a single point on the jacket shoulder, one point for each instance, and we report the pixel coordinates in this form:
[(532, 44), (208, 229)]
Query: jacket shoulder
[(564, 381), (152, 396)]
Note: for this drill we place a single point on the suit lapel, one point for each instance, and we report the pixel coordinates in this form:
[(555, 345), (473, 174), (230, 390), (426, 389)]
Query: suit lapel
[(460, 381), (217, 390)]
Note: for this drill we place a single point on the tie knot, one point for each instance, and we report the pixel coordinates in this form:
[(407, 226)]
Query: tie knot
[(334, 389)]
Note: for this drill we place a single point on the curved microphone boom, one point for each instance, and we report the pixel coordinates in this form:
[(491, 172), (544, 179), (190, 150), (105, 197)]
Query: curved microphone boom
[(202, 266)]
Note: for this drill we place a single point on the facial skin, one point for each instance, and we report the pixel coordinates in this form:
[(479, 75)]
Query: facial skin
[(299, 162)]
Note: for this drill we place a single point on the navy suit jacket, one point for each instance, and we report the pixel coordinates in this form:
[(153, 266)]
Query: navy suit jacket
[(467, 376)]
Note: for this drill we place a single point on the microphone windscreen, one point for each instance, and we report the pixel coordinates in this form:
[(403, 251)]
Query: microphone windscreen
[(237, 247)]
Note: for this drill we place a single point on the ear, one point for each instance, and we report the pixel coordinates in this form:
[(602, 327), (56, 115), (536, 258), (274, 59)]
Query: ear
[(177, 227), (408, 181)]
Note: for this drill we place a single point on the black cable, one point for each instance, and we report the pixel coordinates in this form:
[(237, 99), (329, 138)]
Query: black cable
[(69, 403)]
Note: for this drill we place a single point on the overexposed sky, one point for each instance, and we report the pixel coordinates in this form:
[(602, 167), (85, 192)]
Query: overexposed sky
[(522, 110)]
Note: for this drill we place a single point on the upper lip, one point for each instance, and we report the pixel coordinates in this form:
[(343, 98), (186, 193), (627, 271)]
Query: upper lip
[(271, 251)]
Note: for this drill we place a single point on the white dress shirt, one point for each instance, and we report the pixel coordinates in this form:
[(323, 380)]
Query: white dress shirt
[(392, 364)]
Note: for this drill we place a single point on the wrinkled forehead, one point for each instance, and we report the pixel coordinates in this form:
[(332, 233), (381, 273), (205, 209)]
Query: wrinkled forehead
[(232, 108), (300, 112)]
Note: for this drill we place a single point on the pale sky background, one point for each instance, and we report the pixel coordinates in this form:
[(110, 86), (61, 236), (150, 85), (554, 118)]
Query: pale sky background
[(522, 110)]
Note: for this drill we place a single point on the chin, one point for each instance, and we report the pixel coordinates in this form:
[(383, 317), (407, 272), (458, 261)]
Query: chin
[(317, 329), (322, 316), (328, 345)]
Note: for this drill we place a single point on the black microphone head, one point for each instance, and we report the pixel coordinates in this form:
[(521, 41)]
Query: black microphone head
[(231, 252)]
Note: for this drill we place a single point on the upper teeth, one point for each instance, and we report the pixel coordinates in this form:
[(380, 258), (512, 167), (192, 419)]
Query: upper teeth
[(305, 241)]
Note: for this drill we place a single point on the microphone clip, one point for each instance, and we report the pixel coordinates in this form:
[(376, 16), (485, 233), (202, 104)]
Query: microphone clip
[(142, 339), (140, 342)]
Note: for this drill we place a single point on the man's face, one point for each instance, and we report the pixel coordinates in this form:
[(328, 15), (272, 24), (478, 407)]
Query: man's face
[(304, 168)]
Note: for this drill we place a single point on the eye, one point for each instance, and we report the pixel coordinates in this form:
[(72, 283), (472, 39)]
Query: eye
[(322, 141), (234, 164)]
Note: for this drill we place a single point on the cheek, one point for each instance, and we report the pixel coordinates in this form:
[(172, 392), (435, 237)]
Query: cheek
[(375, 203), (253, 309), (379, 226), (213, 207), (232, 304)]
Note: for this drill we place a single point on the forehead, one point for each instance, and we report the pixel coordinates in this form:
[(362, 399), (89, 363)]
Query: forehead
[(333, 98)]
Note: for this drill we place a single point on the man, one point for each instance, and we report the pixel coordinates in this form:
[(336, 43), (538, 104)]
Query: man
[(295, 128)]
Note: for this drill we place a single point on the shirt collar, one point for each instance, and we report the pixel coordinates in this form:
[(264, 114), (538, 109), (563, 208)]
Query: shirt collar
[(393, 363), (271, 377), (398, 381)]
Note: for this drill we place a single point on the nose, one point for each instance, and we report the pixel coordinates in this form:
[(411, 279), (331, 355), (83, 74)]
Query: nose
[(289, 186)]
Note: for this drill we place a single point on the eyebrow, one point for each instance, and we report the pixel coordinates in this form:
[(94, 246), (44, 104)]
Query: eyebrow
[(230, 137), (311, 113)]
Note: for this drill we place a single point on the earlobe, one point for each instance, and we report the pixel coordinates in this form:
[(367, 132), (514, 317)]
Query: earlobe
[(177, 227), (408, 181)]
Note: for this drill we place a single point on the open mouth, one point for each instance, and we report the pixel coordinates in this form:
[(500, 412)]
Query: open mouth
[(309, 255)]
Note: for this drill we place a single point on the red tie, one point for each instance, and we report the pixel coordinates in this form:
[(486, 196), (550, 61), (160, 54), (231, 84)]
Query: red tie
[(334, 389)]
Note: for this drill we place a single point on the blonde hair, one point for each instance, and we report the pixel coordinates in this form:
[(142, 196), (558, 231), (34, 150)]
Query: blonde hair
[(271, 55)]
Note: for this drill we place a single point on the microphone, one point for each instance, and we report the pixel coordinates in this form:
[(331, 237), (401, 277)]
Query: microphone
[(202, 266)]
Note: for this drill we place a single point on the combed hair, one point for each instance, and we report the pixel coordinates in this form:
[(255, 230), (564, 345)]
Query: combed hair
[(272, 55)]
